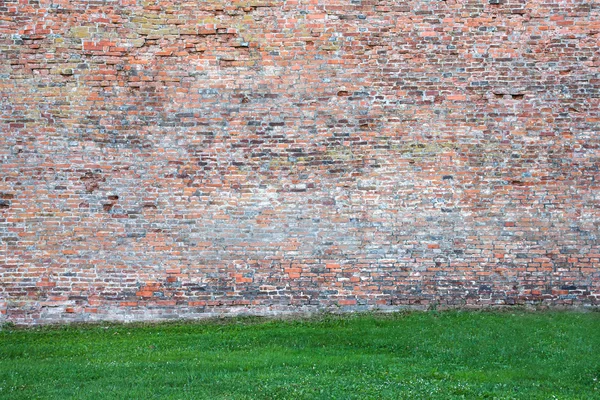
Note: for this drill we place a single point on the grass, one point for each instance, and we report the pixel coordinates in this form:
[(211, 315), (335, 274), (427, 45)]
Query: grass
[(447, 355)]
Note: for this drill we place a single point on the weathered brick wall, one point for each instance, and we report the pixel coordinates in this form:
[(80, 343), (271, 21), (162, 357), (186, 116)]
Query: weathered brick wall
[(179, 159)]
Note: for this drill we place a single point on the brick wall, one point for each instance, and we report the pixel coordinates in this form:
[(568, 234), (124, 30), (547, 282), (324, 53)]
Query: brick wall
[(165, 159)]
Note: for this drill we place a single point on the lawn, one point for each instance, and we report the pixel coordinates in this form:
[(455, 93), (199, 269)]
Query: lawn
[(433, 355)]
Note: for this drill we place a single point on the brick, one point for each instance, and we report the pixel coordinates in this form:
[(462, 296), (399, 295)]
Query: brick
[(45, 284)]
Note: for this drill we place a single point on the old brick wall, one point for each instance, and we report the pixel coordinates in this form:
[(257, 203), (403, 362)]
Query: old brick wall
[(166, 159)]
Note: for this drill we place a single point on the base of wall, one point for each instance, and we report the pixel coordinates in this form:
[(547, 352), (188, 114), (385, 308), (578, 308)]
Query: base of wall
[(43, 315)]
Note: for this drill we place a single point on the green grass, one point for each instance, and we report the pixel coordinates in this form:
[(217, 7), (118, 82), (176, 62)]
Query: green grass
[(447, 355)]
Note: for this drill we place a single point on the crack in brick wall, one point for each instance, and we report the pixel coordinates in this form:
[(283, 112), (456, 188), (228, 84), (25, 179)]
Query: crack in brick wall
[(165, 159)]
